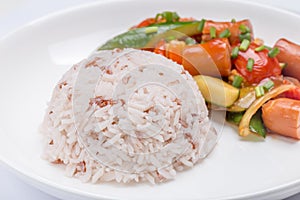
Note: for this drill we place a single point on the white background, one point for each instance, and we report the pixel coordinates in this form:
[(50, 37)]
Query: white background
[(16, 13)]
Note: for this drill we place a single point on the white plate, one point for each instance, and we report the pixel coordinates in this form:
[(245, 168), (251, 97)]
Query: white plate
[(34, 58)]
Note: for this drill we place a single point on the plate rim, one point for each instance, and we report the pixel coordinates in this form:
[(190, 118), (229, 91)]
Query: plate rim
[(42, 183)]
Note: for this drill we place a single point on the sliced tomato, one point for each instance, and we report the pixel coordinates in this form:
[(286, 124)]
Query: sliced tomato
[(264, 66), (293, 94), (151, 21), (146, 22)]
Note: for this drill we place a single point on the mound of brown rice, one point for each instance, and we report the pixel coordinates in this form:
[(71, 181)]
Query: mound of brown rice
[(126, 115)]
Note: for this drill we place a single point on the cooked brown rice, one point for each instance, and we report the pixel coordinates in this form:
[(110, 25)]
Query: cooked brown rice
[(126, 115)]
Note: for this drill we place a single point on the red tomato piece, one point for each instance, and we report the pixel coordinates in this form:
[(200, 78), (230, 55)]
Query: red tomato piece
[(293, 94), (146, 22), (263, 67)]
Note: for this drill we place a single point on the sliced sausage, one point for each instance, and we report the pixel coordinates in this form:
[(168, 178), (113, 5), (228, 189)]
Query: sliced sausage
[(233, 27), (282, 116), (289, 54)]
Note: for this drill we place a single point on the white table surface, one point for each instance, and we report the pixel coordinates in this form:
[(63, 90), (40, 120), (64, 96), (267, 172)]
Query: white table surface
[(15, 13)]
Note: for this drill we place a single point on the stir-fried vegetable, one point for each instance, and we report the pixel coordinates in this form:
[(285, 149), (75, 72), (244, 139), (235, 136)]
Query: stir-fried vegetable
[(166, 17), (256, 124), (256, 105), (249, 73), (216, 91), (142, 37), (246, 98), (186, 29)]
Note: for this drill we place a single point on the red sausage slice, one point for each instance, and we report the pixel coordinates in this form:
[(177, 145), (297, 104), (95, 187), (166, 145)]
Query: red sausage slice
[(282, 116), (289, 54)]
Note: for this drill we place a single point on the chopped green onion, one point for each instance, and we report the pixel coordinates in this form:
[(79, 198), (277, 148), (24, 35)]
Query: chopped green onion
[(268, 85), (245, 36), (260, 48), (282, 65), (250, 64), (233, 20), (237, 81), (190, 41), (225, 34), (244, 45), (234, 52), (273, 52), (244, 29), (201, 25), (213, 33), (151, 29), (168, 16), (175, 16), (259, 91)]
